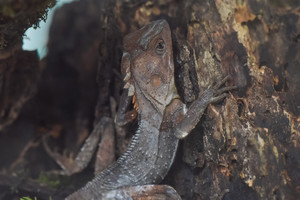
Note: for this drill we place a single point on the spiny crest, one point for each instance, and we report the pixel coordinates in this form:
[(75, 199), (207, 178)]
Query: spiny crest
[(135, 103), (128, 83)]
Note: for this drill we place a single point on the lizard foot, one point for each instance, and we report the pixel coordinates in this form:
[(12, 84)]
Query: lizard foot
[(143, 192), (217, 93), (70, 165), (65, 161)]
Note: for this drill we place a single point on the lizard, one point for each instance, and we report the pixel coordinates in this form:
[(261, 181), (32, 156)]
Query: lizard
[(163, 119)]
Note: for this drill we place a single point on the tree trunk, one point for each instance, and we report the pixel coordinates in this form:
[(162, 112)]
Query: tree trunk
[(245, 147), (248, 145)]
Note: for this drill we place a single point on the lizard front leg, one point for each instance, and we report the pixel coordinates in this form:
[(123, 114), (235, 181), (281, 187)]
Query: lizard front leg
[(196, 110)]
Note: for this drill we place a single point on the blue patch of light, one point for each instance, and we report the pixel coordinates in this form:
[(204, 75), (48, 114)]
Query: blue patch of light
[(37, 39)]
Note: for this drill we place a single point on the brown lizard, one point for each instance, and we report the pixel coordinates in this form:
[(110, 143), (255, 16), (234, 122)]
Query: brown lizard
[(148, 71)]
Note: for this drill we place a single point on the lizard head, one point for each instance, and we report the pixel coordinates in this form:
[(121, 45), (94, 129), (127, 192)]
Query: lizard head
[(147, 65)]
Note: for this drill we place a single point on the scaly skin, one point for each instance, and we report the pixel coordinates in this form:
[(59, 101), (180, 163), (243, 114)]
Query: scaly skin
[(148, 71)]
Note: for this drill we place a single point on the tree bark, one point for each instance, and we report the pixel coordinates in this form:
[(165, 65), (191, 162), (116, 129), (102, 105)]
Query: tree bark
[(247, 146), (249, 143)]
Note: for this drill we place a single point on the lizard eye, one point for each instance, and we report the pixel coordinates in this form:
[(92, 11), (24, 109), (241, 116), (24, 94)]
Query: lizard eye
[(160, 46)]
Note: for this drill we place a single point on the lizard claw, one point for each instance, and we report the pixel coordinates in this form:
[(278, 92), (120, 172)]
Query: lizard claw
[(225, 89), (218, 92), (222, 82)]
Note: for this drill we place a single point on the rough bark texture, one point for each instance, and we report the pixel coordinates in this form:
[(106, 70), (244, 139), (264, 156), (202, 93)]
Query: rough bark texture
[(246, 147)]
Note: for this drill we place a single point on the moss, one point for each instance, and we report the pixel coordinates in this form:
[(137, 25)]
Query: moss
[(17, 16), (52, 181)]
